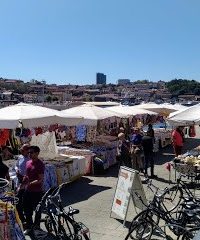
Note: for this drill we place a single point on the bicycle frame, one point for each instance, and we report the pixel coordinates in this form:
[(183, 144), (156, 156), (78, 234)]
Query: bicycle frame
[(156, 208)]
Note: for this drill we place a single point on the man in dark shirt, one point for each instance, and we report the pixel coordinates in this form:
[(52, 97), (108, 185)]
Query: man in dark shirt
[(33, 184), (147, 144)]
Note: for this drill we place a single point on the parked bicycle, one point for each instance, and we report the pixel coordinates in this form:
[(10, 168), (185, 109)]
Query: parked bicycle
[(144, 224), (59, 222), (180, 191)]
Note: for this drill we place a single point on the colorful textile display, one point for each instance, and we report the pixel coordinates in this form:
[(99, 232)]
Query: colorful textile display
[(10, 225), (62, 172), (50, 177), (47, 144), (91, 133), (81, 133), (72, 133), (4, 136)]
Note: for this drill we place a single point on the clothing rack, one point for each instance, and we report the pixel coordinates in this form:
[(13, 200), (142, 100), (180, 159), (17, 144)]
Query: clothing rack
[(10, 224)]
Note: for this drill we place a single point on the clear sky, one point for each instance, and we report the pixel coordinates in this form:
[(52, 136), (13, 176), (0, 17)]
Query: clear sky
[(68, 41)]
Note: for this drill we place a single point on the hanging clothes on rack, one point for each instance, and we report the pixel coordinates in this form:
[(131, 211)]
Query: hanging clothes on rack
[(10, 224)]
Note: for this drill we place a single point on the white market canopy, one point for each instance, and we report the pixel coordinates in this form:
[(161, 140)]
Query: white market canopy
[(130, 110), (189, 116), (164, 109), (33, 116), (103, 104), (90, 113)]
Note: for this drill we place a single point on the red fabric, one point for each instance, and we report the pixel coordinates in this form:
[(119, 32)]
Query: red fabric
[(192, 132), (168, 166), (4, 136), (177, 138)]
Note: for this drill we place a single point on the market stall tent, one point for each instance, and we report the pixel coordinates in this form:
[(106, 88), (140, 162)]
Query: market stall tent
[(163, 109), (29, 116), (90, 113), (189, 116), (103, 104), (130, 110)]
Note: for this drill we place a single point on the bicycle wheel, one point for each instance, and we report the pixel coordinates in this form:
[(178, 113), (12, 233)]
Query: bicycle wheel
[(140, 230), (85, 236), (143, 216), (192, 234), (172, 198)]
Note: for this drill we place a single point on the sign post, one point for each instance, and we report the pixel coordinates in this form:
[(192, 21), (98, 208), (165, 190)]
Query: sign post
[(128, 182)]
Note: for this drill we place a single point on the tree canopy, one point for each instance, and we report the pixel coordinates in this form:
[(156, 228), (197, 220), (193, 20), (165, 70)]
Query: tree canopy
[(183, 86)]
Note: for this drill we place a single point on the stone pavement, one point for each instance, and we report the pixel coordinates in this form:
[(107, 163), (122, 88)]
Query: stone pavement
[(93, 196)]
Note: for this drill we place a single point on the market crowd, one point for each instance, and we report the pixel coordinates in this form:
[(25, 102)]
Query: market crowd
[(136, 150), (30, 174)]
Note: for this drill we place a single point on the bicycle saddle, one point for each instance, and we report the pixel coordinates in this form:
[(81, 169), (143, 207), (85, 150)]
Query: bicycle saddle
[(73, 211)]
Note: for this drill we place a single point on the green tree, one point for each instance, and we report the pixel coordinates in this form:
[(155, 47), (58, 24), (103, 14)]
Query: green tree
[(48, 98), (183, 86)]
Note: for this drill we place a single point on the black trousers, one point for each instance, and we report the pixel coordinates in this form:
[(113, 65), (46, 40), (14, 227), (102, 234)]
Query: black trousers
[(20, 204), (30, 201), (125, 160), (149, 160)]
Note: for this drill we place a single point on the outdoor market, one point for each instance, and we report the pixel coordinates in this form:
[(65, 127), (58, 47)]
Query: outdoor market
[(85, 140)]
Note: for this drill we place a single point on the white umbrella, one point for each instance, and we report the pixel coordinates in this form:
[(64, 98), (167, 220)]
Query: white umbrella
[(189, 116), (90, 113), (130, 110), (32, 116), (163, 109)]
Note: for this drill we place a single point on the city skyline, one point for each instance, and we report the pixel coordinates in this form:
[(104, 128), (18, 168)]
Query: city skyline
[(70, 41)]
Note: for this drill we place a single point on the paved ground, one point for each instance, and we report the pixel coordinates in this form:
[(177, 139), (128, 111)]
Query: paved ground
[(93, 196)]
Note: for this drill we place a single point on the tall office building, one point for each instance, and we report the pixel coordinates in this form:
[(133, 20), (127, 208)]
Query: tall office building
[(100, 78)]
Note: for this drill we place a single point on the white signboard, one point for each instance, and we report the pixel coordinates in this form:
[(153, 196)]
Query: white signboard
[(128, 182)]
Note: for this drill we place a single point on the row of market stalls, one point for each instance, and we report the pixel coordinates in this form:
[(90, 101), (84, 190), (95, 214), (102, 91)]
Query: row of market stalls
[(189, 162), (83, 133)]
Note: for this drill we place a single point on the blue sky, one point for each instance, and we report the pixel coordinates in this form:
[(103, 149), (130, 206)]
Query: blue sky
[(68, 41)]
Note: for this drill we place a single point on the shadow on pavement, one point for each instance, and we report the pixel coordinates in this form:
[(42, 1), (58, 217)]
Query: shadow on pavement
[(127, 223), (159, 179), (79, 191)]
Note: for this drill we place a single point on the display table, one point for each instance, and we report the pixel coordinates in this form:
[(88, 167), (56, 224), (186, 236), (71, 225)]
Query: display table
[(79, 152), (188, 163), (63, 169)]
